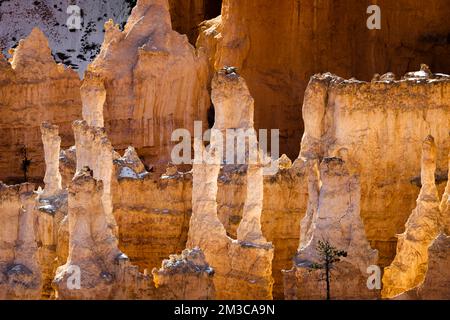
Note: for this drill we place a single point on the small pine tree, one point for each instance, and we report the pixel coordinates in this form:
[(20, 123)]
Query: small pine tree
[(25, 163), (329, 255)]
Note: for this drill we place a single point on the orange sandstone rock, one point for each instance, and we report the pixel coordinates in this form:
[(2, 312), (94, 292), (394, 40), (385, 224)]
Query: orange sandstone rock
[(411, 261), (185, 277), (154, 82), (34, 89), (20, 276), (333, 215), (364, 124), (277, 47)]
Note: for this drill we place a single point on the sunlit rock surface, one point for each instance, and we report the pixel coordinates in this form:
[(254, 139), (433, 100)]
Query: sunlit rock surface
[(154, 82), (333, 216), (112, 215), (365, 125), (33, 89)]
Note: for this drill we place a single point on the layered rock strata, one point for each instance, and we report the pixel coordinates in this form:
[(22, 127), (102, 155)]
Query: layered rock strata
[(93, 96), (154, 82), (95, 268), (186, 15), (235, 277), (51, 204), (152, 212), (33, 89), (20, 272), (435, 285), (277, 49), (185, 277), (365, 124)]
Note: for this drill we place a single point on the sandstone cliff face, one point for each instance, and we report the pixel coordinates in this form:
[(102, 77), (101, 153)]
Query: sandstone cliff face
[(95, 268), (52, 206), (277, 48), (28, 240), (33, 89), (419, 269), (354, 182), (365, 124), (243, 267), (152, 215), (411, 261), (73, 47), (20, 274), (153, 212), (445, 206), (333, 215), (153, 79), (185, 277), (437, 279), (188, 14)]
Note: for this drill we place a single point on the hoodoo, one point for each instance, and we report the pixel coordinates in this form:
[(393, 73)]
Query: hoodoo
[(224, 150)]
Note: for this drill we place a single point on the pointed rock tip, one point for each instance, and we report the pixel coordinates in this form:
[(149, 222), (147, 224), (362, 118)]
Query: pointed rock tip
[(32, 51)]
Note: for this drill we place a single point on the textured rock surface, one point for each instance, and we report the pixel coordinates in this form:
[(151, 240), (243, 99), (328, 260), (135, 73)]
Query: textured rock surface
[(185, 277), (116, 207), (333, 215), (364, 124), (154, 82), (445, 205), (103, 271), (33, 89), (410, 265), (277, 48), (420, 269), (93, 96), (243, 267), (188, 14), (437, 279), (77, 48), (94, 151), (52, 245), (205, 229), (152, 215), (20, 274), (52, 143)]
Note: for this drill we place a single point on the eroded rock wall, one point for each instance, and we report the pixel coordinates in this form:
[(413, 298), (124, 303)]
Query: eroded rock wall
[(95, 267), (52, 143), (187, 15), (33, 89), (94, 151), (333, 217), (435, 285), (243, 267), (419, 270), (364, 124), (185, 277), (28, 240), (410, 265), (152, 216), (154, 82), (278, 47), (20, 272)]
